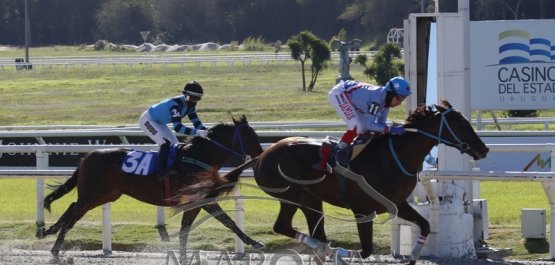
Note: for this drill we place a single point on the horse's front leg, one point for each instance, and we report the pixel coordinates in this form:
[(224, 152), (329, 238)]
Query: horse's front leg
[(217, 212), (187, 220), (366, 235), (410, 214)]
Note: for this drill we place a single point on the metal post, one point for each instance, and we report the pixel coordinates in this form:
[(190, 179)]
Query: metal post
[(42, 163), (549, 188), (159, 216), (107, 228), (239, 220), (27, 33)]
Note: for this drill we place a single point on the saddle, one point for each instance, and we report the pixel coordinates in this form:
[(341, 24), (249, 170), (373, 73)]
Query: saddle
[(328, 150)]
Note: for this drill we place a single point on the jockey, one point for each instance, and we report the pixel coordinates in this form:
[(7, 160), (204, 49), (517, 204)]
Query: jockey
[(365, 108), (155, 119)]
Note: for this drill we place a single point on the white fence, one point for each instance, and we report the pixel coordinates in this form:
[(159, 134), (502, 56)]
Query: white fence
[(164, 60), (281, 126), (43, 170)]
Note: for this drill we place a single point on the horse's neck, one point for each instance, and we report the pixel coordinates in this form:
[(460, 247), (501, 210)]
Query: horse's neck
[(208, 153), (415, 147)]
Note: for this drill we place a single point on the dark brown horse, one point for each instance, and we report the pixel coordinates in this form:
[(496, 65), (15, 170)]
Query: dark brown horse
[(99, 180), (387, 165)]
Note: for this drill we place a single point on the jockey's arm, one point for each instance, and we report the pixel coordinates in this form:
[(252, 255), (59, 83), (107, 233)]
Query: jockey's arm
[(377, 123), (178, 126)]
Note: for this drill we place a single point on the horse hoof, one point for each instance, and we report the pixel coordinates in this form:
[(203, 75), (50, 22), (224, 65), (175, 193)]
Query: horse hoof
[(412, 262), (55, 257), (258, 245), (40, 233)]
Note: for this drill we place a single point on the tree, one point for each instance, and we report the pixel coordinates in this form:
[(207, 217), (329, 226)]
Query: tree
[(121, 21), (307, 46), (385, 65)]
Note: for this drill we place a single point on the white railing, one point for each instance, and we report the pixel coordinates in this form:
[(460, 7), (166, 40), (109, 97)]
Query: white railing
[(164, 60), (282, 126), (42, 169)]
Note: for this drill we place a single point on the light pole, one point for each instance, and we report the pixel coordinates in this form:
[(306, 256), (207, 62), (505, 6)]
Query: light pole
[(26, 36)]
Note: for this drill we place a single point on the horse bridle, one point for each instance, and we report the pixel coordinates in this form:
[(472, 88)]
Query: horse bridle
[(462, 146), (236, 137)]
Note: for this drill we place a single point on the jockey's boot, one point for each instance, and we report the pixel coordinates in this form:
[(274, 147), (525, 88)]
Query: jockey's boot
[(162, 169), (343, 155)]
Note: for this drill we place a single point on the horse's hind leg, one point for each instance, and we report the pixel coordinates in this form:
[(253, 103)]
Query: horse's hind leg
[(187, 220), (74, 213), (53, 229), (410, 214), (216, 211)]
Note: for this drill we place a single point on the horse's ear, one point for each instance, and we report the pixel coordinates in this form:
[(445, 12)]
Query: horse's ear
[(244, 119), (446, 103), (440, 108), (236, 122)]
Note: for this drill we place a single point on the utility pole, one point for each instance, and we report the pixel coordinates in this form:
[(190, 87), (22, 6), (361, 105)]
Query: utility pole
[(27, 33)]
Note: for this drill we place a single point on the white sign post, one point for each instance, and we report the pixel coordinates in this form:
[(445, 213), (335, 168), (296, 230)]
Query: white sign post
[(145, 35)]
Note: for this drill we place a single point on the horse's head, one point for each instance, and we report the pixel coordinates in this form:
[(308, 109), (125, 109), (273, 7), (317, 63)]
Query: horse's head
[(450, 127), (239, 138)]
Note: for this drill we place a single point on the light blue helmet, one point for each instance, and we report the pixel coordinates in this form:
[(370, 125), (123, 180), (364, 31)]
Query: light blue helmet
[(399, 85)]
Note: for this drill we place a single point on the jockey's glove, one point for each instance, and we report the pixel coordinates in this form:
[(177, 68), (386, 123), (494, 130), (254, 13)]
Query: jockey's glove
[(202, 133), (397, 129)]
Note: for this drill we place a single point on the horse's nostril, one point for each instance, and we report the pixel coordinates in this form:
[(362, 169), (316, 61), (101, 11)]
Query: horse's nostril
[(485, 149)]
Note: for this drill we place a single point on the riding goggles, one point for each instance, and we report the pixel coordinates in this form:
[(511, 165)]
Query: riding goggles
[(195, 98)]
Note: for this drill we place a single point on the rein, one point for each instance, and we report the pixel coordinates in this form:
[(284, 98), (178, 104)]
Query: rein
[(461, 145), (236, 137)]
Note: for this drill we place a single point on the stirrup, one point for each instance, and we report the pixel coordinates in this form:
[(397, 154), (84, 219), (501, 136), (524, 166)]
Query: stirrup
[(343, 157)]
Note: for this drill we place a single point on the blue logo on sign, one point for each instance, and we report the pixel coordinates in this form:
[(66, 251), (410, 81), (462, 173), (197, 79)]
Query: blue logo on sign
[(517, 46)]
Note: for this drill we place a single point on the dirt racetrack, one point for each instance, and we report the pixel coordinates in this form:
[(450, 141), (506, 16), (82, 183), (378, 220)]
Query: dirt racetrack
[(12, 256)]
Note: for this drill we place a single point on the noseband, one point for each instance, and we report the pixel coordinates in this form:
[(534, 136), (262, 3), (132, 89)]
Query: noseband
[(462, 146), (236, 137)]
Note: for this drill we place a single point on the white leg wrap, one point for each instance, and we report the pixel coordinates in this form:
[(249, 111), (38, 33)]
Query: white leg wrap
[(310, 241), (340, 253), (415, 254), (336, 255)]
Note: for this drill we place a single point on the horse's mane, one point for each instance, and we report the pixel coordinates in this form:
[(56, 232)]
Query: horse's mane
[(215, 130), (423, 112)]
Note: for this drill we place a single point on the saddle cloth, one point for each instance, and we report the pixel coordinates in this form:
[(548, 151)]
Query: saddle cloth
[(144, 163)]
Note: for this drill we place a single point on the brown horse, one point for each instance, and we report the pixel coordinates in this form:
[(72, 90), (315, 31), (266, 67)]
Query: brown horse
[(99, 180), (387, 165)]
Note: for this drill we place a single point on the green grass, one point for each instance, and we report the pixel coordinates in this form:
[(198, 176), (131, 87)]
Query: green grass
[(134, 222), (108, 96)]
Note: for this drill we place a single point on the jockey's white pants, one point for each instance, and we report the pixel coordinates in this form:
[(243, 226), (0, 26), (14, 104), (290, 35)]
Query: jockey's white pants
[(156, 131), (339, 100)]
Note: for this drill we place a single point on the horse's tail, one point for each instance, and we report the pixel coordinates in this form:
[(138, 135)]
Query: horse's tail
[(210, 184), (60, 189)]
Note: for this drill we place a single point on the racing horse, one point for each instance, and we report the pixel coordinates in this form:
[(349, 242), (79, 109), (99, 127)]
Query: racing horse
[(99, 179), (379, 180)]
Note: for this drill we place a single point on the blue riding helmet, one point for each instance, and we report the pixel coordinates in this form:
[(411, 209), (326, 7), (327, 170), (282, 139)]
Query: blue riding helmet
[(400, 85)]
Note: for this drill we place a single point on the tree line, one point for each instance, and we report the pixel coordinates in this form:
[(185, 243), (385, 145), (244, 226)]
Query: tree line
[(72, 22)]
